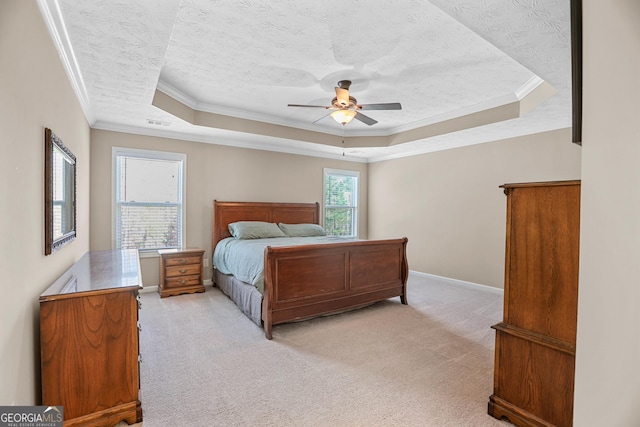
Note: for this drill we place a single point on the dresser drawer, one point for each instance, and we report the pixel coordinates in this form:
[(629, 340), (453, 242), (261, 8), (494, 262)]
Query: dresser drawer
[(182, 260), (177, 282), (182, 270)]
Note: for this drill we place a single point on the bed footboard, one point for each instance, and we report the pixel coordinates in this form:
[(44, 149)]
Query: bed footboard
[(307, 281)]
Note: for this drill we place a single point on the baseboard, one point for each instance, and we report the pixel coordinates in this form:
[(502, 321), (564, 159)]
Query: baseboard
[(154, 288), (457, 282), (209, 282)]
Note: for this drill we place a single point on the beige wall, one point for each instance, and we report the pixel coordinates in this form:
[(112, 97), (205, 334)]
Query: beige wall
[(608, 347), (34, 93), (213, 172), (450, 207)]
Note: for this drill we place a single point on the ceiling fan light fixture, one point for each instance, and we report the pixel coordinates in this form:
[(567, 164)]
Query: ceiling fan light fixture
[(343, 116), (346, 107)]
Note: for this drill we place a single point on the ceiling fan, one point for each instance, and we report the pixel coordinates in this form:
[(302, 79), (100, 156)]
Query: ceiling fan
[(347, 108)]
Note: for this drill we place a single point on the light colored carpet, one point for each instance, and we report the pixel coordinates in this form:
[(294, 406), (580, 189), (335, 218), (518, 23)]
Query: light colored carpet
[(426, 364)]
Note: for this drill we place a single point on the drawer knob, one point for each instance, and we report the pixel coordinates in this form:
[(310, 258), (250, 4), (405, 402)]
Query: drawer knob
[(182, 270), (182, 261), (182, 281)]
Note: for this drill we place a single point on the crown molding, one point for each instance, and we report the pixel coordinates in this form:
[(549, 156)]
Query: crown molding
[(50, 10), (256, 145), (192, 103), (463, 142), (223, 140), (528, 87), (177, 94), (455, 114)]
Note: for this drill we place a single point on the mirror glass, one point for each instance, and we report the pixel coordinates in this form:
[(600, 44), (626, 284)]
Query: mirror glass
[(60, 193)]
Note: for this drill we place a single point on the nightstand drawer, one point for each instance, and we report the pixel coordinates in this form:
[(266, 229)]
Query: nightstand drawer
[(177, 282), (182, 270), (183, 260)]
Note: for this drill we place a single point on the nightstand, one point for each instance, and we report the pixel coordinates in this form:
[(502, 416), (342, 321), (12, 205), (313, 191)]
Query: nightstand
[(181, 271)]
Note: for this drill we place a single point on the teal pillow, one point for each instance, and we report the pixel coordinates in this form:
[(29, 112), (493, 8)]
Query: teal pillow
[(255, 230), (302, 230)]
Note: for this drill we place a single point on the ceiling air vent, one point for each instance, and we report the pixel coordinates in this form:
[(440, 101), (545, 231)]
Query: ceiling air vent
[(157, 122)]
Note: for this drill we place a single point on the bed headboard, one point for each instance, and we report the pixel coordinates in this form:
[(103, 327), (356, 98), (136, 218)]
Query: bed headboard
[(224, 213)]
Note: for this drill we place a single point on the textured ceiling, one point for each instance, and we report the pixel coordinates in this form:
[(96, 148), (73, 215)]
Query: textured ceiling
[(442, 59)]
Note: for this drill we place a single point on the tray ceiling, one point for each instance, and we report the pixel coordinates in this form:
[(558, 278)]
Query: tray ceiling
[(223, 72)]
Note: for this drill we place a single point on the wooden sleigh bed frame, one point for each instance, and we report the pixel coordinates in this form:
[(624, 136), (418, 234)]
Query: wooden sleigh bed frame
[(302, 282)]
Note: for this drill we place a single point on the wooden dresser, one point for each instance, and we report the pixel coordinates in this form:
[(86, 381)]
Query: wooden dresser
[(89, 340), (535, 343), (181, 271)]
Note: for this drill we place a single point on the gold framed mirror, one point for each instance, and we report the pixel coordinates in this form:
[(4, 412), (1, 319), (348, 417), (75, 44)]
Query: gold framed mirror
[(59, 193)]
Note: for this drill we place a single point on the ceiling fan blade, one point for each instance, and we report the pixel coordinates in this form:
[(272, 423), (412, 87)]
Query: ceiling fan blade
[(311, 106), (365, 119), (321, 118), (343, 96), (387, 106)]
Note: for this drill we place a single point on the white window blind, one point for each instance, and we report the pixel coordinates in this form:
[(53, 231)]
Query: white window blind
[(148, 200), (341, 202)]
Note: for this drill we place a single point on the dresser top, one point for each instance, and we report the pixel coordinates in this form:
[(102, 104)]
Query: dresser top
[(541, 184), (95, 272)]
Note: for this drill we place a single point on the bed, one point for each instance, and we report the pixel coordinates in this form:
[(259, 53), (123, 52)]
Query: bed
[(309, 280)]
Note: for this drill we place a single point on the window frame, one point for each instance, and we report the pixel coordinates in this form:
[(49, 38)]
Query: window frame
[(115, 185), (356, 198)]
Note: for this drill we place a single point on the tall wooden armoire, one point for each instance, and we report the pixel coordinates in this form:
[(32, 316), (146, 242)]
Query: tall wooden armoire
[(536, 342)]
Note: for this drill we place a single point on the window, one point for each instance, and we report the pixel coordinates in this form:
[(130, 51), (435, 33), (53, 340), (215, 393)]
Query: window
[(149, 199), (341, 202)]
